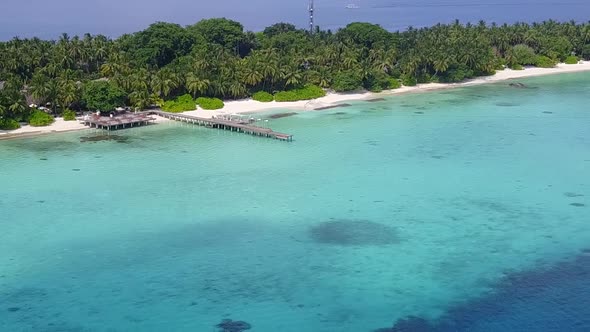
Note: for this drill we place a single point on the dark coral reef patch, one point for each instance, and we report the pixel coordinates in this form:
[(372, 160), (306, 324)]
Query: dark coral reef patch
[(346, 232), (228, 325)]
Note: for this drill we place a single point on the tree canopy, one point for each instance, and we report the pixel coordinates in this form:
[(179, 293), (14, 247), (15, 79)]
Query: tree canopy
[(216, 58), (102, 96)]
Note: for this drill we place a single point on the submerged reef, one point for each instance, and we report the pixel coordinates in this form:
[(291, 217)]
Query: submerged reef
[(228, 325), (101, 138), (346, 232), (546, 298), (408, 324)]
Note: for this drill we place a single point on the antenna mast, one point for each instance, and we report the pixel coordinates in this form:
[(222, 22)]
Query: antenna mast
[(311, 23)]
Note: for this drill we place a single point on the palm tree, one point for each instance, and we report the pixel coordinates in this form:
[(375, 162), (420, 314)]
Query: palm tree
[(163, 82), (236, 89), (269, 71), (251, 75), (17, 105), (196, 85), (140, 99), (40, 88), (320, 77), (291, 75), (67, 93)]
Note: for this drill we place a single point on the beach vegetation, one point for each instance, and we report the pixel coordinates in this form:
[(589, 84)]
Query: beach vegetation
[(210, 103), (217, 58), (9, 124), (409, 80), (456, 73), (180, 104), (69, 115), (393, 83), (40, 119), (376, 81), (571, 60), (348, 80), (545, 62), (263, 96), (523, 55), (307, 92)]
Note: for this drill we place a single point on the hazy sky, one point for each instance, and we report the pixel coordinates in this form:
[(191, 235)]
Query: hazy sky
[(48, 18)]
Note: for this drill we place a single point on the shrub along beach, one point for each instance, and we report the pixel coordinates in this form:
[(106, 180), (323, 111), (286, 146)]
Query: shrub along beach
[(198, 67)]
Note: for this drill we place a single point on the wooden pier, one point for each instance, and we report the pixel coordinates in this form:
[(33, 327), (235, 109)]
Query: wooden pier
[(118, 122), (225, 124)]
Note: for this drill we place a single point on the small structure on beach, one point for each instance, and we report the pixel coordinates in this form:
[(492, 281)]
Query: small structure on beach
[(122, 121), (128, 120)]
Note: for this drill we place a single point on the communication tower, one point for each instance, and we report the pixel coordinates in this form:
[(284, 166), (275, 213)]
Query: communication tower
[(311, 22)]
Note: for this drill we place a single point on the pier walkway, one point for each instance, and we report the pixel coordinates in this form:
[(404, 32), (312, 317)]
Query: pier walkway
[(225, 124)]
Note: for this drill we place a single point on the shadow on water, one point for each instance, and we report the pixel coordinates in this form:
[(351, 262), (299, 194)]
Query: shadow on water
[(344, 232), (506, 104), (547, 299), (105, 138), (282, 115), (38, 146)]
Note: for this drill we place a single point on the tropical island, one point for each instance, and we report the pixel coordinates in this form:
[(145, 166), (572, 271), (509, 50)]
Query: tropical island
[(180, 68)]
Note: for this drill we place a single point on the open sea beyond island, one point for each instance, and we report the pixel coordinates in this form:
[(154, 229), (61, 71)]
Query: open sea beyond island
[(457, 210)]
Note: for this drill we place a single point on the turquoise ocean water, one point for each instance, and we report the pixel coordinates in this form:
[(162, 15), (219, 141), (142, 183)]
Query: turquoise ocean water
[(438, 205)]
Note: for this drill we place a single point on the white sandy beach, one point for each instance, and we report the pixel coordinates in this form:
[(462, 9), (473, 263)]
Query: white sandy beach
[(252, 106), (58, 126)]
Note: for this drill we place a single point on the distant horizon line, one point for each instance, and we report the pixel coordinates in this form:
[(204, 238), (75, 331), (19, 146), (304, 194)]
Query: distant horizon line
[(298, 27)]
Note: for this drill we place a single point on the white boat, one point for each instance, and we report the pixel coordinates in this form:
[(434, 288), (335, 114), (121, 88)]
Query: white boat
[(352, 6)]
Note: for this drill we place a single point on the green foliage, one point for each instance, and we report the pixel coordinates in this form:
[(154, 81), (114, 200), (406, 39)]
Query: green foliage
[(571, 60), (516, 66), (278, 28), (365, 34), (557, 48), (263, 96), (220, 31), (181, 104), (394, 84), (523, 55), (346, 81), (102, 96), (160, 44), (210, 103), (545, 62), (376, 82), (40, 119), (424, 78), (456, 74), (69, 115), (306, 93), (409, 80), (217, 58), (9, 124)]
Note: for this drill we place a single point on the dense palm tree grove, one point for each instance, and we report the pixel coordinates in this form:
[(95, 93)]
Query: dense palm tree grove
[(217, 58)]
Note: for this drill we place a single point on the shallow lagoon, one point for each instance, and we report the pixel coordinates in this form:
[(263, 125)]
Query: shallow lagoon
[(430, 205)]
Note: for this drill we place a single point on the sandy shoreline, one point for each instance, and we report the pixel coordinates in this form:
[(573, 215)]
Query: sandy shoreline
[(252, 106)]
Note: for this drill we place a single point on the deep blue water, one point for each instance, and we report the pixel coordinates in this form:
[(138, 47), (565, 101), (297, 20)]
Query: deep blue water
[(47, 19), (549, 299)]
